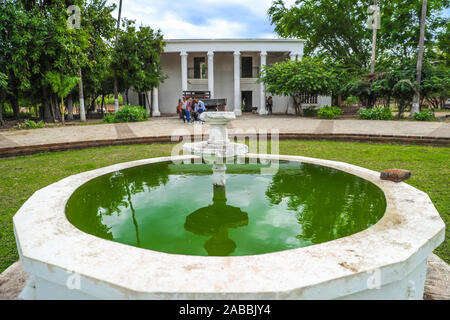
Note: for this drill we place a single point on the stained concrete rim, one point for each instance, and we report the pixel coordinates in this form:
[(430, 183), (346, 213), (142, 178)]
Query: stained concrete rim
[(411, 224)]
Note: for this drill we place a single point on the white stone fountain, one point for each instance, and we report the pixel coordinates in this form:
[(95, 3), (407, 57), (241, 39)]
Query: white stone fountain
[(218, 149)]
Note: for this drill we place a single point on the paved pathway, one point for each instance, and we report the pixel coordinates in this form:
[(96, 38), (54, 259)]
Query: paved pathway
[(169, 126)]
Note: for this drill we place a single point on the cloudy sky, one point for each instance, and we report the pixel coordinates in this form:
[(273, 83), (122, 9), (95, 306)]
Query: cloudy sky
[(200, 19), (204, 19)]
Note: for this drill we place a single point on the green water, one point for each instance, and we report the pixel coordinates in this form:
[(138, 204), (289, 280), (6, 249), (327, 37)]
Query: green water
[(175, 209)]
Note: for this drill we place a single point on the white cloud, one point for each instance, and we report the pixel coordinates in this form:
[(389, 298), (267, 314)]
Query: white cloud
[(174, 27), (248, 21)]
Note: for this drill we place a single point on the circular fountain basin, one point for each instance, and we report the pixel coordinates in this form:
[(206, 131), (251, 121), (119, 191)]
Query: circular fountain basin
[(386, 260), (174, 208)]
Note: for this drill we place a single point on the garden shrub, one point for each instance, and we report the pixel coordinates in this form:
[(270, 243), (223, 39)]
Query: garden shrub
[(108, 118), (310, 112), (424, 116), (127, 114), (328, 112), (30, 124), (377, 113)]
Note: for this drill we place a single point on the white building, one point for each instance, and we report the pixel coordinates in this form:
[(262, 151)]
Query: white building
[(228, 68)]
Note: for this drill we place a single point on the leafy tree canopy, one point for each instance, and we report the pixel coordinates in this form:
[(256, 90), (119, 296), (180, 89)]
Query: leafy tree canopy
[(338, 29), (312, 76)]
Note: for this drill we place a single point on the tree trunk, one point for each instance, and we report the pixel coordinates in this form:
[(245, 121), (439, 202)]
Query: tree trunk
[(1, 114), (46, 113), (53, 108), (15, 103), (415, 108), (80, 89), (69, 107), (298, 106), (374, 40), (62, 112), (94, 103), (126, 96), (148, 106), (116, 92)]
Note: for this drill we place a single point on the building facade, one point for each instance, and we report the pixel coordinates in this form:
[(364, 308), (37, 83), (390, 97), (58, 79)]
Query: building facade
[(228, 68)]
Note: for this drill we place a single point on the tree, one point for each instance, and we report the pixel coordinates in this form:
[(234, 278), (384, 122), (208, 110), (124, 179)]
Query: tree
[(435, 87), (15, 36), (35, 41), (337, 28), (415, 108), (311, 76), (61, 85), (137, 57), (116, 91), (99, 24), (3, 92)]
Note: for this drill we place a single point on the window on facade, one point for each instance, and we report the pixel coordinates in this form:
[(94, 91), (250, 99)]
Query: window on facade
[(202, 70), (246, 67), (308, 98), (199, 68)]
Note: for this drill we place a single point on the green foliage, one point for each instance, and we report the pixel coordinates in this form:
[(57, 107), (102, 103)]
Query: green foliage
[(136, 57), (310, 112), (337, 28), (312, 76), (35, 43), (377, 113), (351, 100), (61, 84), (110, 100), (127, 114), (30, 124), (98, 22), (329, 112), (424, 116), (109, 118)]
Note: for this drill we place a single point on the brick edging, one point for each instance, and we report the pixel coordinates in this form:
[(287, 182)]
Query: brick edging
[(377, 138)]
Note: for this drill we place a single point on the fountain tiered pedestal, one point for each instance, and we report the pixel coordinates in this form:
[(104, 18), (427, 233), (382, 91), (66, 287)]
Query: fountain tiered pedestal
[(218, 150)]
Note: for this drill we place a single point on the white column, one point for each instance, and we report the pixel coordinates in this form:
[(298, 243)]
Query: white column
[(237, 83), (184, 70), (291, 107), (155, 112), (211, 73), (262, 104)]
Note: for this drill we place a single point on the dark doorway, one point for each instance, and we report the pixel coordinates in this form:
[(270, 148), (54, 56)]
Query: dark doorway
[(247, 101), (142, 100)]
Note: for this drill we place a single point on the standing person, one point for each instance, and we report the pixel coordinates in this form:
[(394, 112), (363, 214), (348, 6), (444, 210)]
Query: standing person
[(194, 107), (179, 110), (269, 105), (183, 109), (188, 110)]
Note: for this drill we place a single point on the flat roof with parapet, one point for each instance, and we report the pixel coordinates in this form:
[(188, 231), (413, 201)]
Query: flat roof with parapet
[(227, 45)]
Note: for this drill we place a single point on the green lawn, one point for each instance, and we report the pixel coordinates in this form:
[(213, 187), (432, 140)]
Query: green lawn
[(21, 177)]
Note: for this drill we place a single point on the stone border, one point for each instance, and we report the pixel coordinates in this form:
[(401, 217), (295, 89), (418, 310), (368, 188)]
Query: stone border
[(397, 246), (376, 138)]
